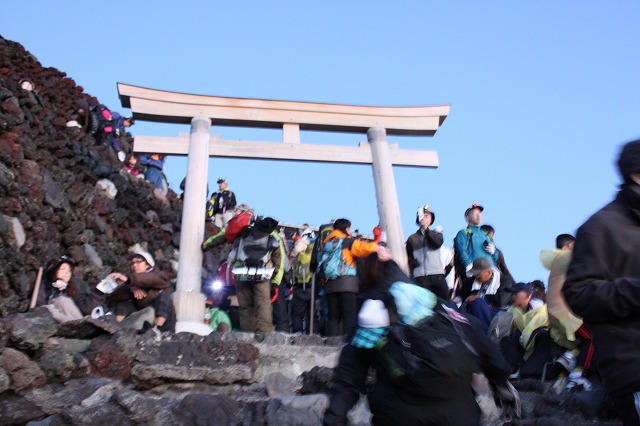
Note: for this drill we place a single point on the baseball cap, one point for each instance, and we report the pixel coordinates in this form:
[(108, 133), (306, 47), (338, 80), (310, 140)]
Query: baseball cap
[(473, 206), (517, 287)]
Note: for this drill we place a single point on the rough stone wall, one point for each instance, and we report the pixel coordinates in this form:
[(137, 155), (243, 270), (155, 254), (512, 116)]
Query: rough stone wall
[(50, 200)]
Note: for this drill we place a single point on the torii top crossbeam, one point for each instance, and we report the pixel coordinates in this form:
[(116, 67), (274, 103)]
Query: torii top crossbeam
[(171, 107)]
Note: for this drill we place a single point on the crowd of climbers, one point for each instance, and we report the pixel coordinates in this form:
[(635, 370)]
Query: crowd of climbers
[(333, 282)]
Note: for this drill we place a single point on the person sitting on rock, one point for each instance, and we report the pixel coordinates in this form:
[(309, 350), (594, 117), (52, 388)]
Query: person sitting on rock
[(132, 165), (154, 164), (531, 340), (67, 297), (215, 315), (487, 288), (145, 290)]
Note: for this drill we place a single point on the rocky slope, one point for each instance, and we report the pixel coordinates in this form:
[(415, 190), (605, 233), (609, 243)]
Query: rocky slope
[(51, 201)]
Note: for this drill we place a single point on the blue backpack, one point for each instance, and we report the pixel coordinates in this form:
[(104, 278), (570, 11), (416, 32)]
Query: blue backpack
[(332, 262)]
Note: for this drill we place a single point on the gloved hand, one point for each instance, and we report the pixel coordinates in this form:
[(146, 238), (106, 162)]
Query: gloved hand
[(507, 397), (206, 243), (438, 229), (490, 248), (377, 233), (121, 156), (468, 270), (60, 285), (275, 290)]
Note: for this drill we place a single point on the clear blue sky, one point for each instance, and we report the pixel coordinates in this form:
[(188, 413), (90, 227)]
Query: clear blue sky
[(542, 95)]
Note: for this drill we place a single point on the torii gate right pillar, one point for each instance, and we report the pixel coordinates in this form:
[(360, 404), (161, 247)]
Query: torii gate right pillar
[(385, 185)]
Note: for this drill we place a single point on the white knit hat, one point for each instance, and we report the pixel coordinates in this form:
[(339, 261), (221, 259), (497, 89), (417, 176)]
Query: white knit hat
[(373, 314)]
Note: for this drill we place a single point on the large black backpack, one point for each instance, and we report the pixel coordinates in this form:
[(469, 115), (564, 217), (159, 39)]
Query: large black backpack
[(426, 356)]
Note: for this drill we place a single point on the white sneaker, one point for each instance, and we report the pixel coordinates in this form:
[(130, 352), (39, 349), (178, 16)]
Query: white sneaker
[(568, 361)]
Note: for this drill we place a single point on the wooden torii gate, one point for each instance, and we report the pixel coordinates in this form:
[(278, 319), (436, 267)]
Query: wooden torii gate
[(203, 111)]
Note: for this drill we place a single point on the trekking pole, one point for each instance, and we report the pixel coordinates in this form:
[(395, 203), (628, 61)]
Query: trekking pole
[(303, 272), (313, 303), (36, 289)]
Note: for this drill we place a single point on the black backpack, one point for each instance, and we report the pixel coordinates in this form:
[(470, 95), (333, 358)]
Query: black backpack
[(424, 357)]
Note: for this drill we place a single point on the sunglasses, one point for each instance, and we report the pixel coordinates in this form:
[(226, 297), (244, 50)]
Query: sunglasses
[(136, 261)]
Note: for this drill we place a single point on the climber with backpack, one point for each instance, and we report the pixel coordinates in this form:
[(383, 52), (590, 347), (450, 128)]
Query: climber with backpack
[(338, 268), (424, 353), (257, 261)]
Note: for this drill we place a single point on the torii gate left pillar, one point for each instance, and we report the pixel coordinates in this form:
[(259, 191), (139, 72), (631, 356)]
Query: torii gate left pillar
[(188, 300)]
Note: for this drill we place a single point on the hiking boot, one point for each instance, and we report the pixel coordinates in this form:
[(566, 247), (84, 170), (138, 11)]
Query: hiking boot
[(567, 360)]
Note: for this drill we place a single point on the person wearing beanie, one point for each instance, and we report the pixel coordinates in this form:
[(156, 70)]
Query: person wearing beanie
[(603, 287), (423, 253), (145, 292)]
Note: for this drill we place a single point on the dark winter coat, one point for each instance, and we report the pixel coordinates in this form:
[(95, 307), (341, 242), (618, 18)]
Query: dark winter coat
[(603, 287), (423, 253), (393, 404)]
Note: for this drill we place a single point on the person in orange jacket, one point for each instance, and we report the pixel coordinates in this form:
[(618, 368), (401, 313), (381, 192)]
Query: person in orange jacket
[(337, 264)]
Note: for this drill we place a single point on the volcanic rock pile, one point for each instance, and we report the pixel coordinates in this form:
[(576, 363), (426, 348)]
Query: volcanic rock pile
[(51, 180)]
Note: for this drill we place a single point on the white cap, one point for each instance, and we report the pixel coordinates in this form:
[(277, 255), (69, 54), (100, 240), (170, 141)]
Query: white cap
[(147, 257), (373, 314)]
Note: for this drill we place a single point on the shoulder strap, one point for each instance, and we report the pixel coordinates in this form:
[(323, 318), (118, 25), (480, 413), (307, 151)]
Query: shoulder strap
[(457, 328)]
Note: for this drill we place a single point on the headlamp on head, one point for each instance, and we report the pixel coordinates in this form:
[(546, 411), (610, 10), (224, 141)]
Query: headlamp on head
[(422, 212)]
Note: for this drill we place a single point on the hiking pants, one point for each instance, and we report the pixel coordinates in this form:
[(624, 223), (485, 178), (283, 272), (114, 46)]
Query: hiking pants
[(342, 307), (455, 410), (300, 310), (220, 220), (254, 302), (64, 309), (628, 408), (435, 284)]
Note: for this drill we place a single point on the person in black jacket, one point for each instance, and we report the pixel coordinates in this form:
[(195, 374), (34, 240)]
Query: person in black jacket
[(423, 254), (67, 297), (220, 206), (603, 287), (391, 402)]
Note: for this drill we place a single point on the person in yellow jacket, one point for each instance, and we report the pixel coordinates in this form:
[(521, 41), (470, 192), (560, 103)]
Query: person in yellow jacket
[(564, 323), (337, 264), (527, 318), (301, 302)]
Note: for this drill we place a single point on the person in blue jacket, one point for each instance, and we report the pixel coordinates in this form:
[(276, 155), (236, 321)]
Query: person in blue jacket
[(154, 164), (470, 244)]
